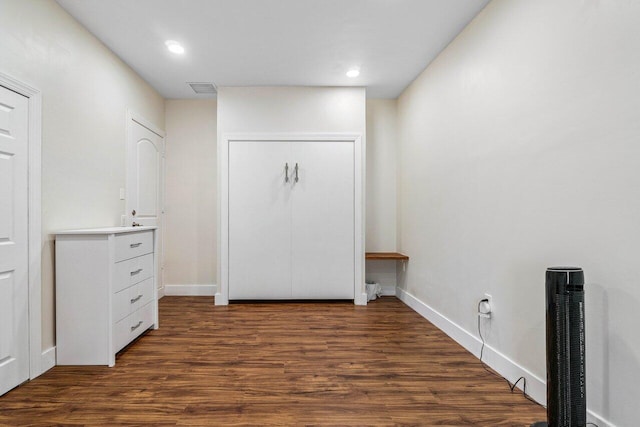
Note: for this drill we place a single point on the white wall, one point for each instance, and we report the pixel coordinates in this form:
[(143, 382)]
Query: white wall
[(519, 150), (190, 205), (190, 217), (291, 110), (381, 175), (190, 192), (381, 188), (85, 92)]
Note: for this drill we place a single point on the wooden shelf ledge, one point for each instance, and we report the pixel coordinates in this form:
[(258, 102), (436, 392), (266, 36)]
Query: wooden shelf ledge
[(386, 255)]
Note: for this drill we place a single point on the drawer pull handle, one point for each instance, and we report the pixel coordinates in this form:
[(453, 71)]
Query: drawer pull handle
[(135, 245), (136, 299), (138, 271), (133, 328)]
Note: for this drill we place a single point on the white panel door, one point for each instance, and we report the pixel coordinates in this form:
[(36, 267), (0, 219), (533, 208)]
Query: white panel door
[(323, 220), (14, 296), (145, 165), (144, 175), (259, 220)]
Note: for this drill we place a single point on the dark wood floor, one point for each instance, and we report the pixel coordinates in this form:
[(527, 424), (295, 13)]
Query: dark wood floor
[(277, 364)]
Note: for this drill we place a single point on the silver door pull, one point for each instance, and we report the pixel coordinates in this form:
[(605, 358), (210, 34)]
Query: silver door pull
[(136, 299), (133, 328), (296, 179), (286, 172)]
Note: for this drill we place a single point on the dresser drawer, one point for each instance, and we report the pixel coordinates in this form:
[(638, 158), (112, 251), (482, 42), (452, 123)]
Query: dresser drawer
[(132, 271), (127, 329), (144, 293), (132, 298), (131, 245)]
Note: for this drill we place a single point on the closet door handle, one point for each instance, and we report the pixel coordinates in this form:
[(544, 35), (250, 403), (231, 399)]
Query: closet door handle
[(286, 172), (296, 178)]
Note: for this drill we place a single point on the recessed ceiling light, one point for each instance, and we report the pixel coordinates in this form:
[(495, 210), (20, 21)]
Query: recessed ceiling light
[(353, 72), (174, 47)]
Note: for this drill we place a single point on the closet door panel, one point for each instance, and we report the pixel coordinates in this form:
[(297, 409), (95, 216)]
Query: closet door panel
[(323, 220), (259, 221)]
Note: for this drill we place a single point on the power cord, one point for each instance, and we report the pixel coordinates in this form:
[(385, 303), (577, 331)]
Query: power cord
[(512, 387)]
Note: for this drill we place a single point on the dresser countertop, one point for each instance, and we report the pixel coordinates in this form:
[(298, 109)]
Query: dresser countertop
[(105, 230)]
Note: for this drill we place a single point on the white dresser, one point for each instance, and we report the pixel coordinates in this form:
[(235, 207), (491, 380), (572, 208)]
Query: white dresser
[(105, 292)]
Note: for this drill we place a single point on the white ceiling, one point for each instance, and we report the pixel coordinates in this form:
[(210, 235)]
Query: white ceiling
[(276, 42)]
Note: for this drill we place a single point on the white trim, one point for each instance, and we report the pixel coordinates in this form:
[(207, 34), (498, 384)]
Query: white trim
[(48, 359), (35, 219), (360, 220), (190, 290), (132, 115), (361, 299), (222, 294), (536, 387), (592, 417)]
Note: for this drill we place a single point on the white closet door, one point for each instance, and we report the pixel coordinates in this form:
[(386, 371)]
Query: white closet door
[(323, 220), (259, 220), (14, 296)]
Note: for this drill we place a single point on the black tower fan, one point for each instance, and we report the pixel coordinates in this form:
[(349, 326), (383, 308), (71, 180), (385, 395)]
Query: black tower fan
[(566, 387)]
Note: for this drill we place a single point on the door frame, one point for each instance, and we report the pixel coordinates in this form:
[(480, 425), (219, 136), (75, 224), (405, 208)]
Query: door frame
[(222, 291), (37, 365), (132, 116)]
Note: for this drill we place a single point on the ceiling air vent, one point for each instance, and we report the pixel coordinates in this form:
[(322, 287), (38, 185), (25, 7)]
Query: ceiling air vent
[(203, 87)]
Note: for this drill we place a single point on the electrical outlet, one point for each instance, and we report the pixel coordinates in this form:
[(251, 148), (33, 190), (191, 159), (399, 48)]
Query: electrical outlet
[(485, 307), (490, 298)]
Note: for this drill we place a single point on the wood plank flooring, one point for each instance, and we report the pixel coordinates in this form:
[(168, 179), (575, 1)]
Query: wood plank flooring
[(277, 364)]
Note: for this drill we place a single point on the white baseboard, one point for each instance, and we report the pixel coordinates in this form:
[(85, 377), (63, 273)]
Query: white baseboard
[(190, 290), (388, 291), (160, 292), (592, 417), (536, 387), (48, 359)]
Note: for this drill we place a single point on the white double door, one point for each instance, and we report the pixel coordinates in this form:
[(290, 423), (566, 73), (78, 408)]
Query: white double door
[(291, 220)]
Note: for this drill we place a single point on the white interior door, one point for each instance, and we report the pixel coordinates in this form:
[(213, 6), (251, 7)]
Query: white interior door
[(323, 220), (14, 293), (145, 165), (259, 220)]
